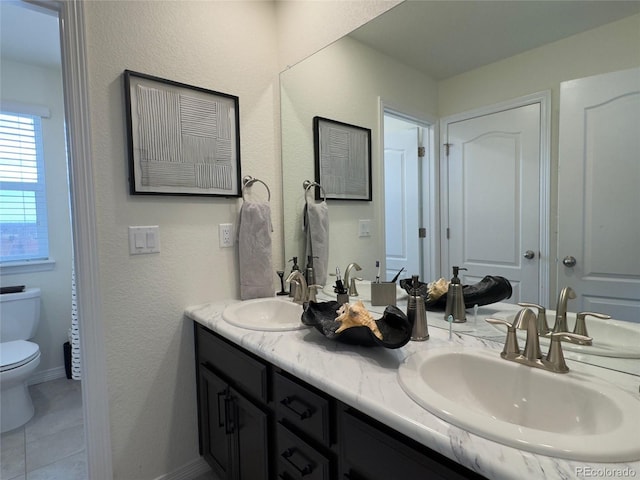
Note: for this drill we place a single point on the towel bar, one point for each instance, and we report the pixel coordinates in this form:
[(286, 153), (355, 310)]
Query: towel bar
[(307, 185), (248, 180)]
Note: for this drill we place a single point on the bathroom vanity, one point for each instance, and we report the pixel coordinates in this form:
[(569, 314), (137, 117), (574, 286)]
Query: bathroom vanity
[(294, 404)]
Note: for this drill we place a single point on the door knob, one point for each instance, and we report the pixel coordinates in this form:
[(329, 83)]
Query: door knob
[(529, 254), (569, 261)]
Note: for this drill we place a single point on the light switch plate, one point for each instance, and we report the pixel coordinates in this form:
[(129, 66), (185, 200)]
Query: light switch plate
[(144, 240), (364, 228)]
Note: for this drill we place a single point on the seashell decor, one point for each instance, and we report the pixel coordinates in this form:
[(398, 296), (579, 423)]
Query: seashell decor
[(356, 315), (394, 327)]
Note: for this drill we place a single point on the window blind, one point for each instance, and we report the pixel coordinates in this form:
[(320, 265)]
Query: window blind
[(23, 208)]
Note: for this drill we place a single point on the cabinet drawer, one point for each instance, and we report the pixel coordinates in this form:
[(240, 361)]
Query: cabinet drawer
[(302, 408), (297, 459), (240, 368), (370, 453)]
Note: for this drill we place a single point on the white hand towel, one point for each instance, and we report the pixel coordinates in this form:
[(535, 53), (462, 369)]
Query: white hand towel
[(254, 251), (317, 242)]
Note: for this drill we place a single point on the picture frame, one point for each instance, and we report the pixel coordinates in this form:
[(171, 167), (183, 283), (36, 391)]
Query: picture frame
[(342, 160), (182, 140)]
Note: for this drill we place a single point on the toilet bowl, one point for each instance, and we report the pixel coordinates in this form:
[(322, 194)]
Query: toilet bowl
[(20, 315)]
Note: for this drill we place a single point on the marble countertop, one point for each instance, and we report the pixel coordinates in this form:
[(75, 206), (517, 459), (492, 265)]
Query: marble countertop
[(366, 379)]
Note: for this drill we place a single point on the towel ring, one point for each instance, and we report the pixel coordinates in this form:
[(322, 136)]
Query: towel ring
[(308, 184), (248, 180)]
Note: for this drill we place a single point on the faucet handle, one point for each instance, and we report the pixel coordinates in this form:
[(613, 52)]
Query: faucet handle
[(543, 326), (511, 348), (312, 292), (555, 357), (581, 326)]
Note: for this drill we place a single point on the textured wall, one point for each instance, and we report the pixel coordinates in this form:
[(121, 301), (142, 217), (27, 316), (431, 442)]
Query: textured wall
[(224, 46)]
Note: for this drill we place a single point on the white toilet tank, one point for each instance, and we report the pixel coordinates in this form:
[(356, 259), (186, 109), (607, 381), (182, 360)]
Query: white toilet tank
[(19, 315)]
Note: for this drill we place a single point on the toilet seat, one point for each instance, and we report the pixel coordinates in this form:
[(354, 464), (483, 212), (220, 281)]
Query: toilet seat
[(17, 353)]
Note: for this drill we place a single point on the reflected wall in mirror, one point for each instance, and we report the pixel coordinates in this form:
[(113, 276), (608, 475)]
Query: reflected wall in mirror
[(506, 50)]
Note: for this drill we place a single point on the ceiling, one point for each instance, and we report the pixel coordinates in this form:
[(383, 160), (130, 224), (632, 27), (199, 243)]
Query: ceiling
[(440, 38), (446, 38), (29, 34)]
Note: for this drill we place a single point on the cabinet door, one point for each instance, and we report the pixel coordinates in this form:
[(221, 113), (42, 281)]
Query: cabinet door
[(250, 426), (215, 405), (368, 453)]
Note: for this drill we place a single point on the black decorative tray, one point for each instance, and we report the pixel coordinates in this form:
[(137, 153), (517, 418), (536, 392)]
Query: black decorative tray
[(12, 289), (394, 326), (490, 289)]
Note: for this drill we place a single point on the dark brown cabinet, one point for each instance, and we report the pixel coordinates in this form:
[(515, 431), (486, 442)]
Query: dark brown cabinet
[(258, 422), (234, 419)]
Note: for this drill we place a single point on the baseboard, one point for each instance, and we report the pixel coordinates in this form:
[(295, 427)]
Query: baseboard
[(188, 471), (47, 375)]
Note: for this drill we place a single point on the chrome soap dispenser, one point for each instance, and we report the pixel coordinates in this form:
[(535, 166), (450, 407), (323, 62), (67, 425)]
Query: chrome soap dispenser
[(455, 299)]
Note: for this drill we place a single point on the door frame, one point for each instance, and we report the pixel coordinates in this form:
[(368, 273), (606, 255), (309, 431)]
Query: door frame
[(95, 397), (544, 99), (430, 208)]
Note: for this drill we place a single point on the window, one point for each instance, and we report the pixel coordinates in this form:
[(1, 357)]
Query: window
[(23, 204)]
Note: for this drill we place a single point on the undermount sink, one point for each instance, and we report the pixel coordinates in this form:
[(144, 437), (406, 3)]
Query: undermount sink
[(265, 314), (574, 416), (611, 338), (364, 291)]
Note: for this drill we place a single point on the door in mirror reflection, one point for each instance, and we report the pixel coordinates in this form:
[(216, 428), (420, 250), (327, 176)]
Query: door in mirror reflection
[(406, 143), (493, 170), (599, 194)]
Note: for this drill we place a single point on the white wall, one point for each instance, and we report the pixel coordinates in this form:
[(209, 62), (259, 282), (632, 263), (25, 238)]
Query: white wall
[(224, 46), (343, 82), (612, 47), (306, 26), (42, 86)]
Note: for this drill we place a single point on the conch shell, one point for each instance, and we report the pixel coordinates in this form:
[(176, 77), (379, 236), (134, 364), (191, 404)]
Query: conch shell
[(436, 289), (356, 315)]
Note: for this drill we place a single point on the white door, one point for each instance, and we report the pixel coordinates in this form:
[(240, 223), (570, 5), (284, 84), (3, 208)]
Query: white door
[(402, 198), (494, 198), (599, 193)]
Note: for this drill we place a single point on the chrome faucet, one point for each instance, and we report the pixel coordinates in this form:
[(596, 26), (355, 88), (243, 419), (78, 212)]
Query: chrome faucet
[(302, 290), (560, 324), (350, 283), (543, 326), (531, 355)]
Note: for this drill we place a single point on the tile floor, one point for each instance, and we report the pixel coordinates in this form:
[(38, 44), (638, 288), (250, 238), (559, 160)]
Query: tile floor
[(51, 445)]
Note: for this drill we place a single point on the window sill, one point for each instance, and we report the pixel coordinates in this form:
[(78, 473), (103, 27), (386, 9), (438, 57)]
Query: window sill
[(11, 268)]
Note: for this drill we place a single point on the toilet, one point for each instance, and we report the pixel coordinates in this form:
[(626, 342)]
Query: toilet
[(19, 318)]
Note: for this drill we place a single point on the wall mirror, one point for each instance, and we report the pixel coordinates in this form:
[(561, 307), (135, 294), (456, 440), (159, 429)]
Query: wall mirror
[(421, 62)]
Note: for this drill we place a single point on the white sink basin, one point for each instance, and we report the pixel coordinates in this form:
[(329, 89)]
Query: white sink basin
[(265, 314), (364, 291), (611, 338), (574, 415)]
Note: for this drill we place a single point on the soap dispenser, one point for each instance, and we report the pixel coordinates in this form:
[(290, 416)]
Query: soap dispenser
[(417, 313), (309, 274), (455, 299), (292, 286)]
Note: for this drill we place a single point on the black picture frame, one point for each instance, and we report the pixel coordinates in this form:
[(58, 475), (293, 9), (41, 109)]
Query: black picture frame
[(182, 140), (342, 160)]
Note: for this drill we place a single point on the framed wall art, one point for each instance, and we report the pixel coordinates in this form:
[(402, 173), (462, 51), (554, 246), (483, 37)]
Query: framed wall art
[(342, 159), (183, 140)]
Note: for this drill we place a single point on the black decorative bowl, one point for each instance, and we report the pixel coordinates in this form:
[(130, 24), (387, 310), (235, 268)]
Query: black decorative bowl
[(394, 326), (490, 289)]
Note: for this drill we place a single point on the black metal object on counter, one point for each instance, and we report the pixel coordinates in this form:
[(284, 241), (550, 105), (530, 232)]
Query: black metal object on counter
[(490, 289), (394, 326)]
